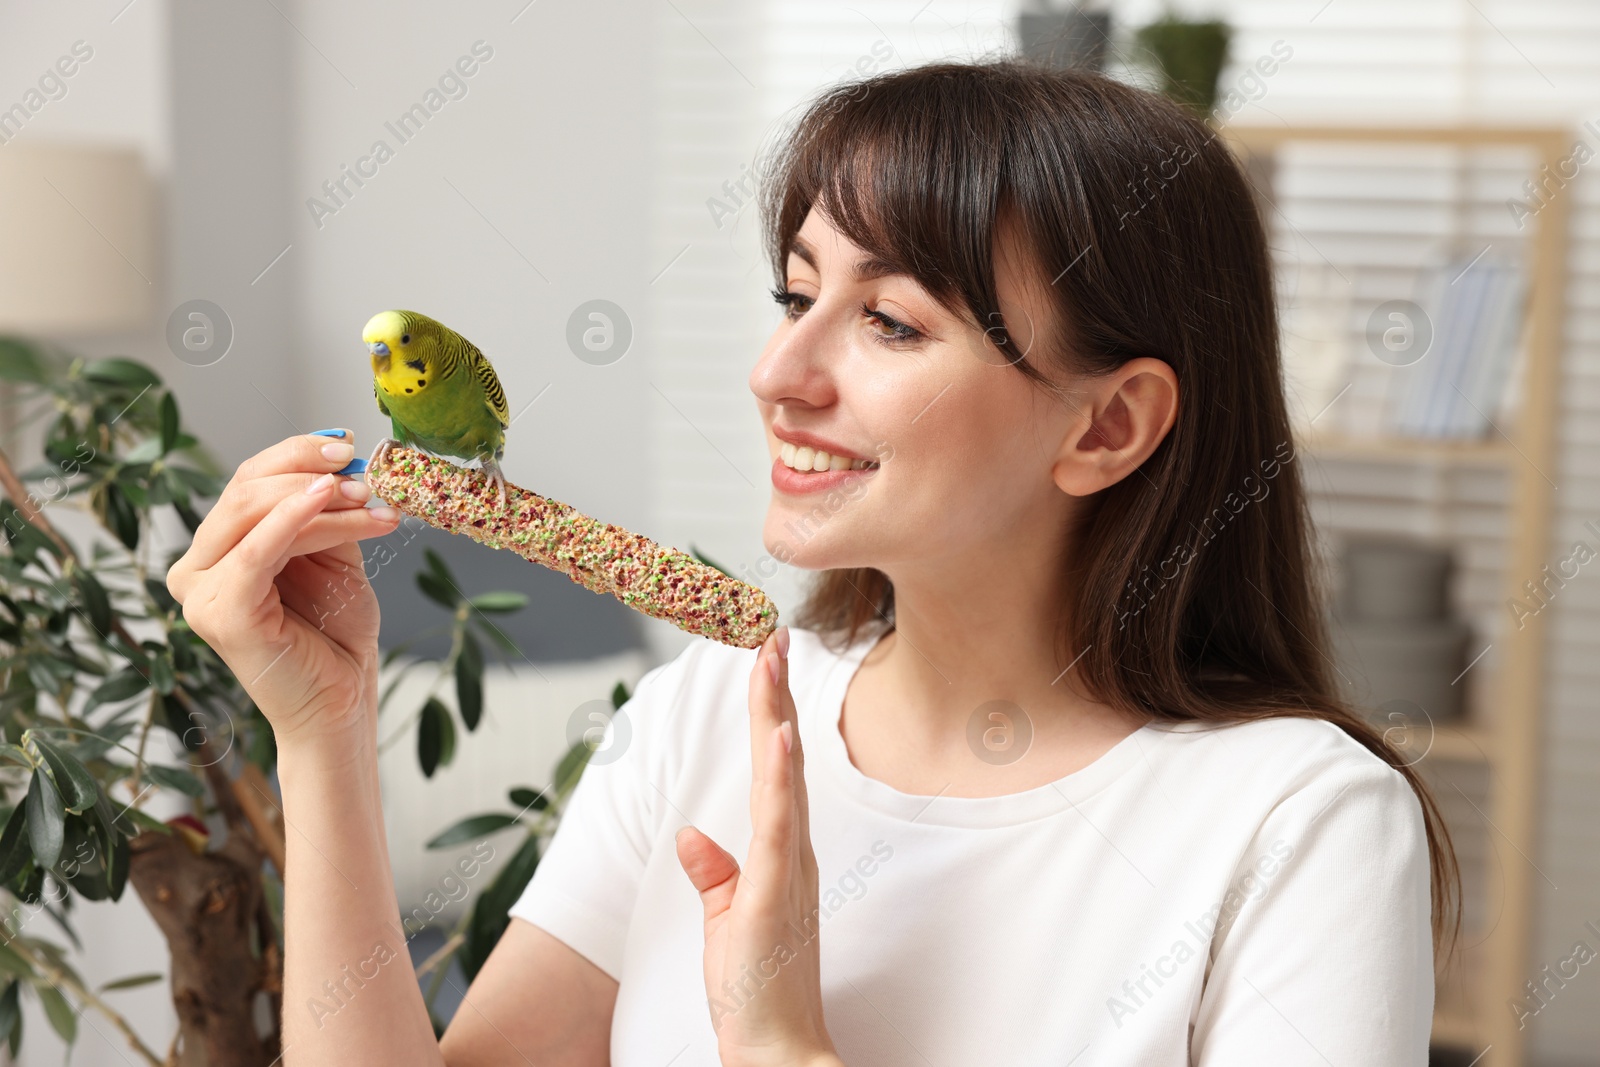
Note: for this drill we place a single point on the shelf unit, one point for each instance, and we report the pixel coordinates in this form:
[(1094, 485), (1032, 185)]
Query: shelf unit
[(1474, 1014)]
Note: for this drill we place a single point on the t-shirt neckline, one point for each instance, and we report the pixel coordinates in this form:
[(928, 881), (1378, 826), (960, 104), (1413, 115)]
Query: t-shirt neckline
[(1051, 798)]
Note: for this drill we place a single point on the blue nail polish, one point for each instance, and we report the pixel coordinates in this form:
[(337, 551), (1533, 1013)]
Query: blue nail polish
[(327, 433), (355, 466)]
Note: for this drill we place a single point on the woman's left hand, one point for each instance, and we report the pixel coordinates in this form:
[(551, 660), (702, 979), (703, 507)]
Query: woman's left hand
[(762, 964)]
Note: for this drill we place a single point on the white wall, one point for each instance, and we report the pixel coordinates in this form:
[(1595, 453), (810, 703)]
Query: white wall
[(118, 95), (511, 207)]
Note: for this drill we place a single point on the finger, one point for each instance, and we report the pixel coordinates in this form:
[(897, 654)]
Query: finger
[(264, 479), (243, 504), (230, 520), (765, 709), (797, 756), (249, 569), (774, 822), (235, 591), (711, 870), (320, 453), (771, 703), (325, 534), (334, 528)]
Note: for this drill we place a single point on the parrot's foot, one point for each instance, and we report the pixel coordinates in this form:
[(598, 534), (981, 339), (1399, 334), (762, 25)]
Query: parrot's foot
[(379, 453), (491, 467)]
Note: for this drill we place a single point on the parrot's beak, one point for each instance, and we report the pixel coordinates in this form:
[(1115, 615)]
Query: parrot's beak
[(378, 348)]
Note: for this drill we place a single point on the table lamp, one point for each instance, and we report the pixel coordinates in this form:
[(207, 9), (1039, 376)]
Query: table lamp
[(77, 243)]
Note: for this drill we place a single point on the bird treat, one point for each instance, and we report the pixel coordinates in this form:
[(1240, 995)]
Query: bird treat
[(664, 583)]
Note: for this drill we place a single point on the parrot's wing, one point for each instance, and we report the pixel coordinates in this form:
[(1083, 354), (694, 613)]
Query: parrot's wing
[(494, 396)]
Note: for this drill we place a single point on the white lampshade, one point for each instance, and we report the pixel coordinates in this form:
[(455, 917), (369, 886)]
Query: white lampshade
[(77, 244)]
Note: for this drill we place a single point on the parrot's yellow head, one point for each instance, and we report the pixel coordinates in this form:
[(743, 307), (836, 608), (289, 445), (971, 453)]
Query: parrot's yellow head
[(398, 342), (387, 334)]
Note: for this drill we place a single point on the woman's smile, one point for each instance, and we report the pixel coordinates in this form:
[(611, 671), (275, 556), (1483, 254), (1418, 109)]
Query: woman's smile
[(796, 481), (807, 463)]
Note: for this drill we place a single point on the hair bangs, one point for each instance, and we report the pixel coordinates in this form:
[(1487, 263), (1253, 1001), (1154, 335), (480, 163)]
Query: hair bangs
[(916, 186)]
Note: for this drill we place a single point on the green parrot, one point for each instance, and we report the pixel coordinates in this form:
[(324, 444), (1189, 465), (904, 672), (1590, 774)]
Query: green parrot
[(439, 391)]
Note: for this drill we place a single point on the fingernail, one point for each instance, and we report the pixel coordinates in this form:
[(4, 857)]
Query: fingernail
[(319, 484), (329, 433), (355, 490), (385, 513), (783, 641), (786, 731), (355, 466), (772, 668), (338, 451)]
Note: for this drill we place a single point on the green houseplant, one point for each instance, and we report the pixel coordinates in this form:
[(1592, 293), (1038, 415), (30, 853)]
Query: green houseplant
[(1189, 56), (109, 699)]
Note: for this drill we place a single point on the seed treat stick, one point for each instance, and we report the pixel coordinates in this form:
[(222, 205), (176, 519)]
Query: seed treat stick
[(661, 582)]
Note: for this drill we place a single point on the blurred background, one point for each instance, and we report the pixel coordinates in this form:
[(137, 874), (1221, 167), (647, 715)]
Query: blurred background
[(227, 192)]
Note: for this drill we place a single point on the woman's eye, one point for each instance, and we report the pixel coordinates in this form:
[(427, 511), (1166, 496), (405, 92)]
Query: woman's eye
[(794, 304), (891, 331)]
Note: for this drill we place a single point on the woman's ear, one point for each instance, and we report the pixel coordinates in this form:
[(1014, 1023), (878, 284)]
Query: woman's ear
[(1119, 419)]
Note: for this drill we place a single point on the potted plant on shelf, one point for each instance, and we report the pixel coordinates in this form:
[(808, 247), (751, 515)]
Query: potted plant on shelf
[(1189, 56)]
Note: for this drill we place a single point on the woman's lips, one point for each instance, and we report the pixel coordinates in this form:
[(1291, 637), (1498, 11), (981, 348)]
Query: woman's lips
[(786, 479)]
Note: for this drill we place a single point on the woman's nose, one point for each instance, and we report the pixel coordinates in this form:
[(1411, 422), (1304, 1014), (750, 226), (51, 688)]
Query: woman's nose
[(798, 365)]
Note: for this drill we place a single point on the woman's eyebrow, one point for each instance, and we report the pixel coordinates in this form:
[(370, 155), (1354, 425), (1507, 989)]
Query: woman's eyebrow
[(865, 269), (798, 247), (872, 267)]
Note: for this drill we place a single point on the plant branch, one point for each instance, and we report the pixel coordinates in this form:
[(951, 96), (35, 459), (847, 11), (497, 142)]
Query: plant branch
[(440, 961), (61, 979), (144, 737), (447, 666), (249, 790), (222, 789), (35, 518), (387, 743), (24, 501), (444, 953)]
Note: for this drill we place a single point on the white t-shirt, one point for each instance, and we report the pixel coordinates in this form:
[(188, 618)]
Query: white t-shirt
[(1227, 897)]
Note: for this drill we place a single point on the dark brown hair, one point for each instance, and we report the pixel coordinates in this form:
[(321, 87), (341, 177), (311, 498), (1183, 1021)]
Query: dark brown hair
[(1192, 584)]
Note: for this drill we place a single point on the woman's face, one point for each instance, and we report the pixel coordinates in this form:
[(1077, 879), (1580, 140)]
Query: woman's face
[(937, 449)]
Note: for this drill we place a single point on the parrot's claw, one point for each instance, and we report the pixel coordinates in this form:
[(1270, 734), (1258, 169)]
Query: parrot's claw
[(497, 476), (382, 451)]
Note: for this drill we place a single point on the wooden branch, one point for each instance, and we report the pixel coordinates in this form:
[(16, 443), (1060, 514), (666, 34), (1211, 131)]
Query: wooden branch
[(24, 501), (206, 906), (456, 940), (253, 794), (221, 785)]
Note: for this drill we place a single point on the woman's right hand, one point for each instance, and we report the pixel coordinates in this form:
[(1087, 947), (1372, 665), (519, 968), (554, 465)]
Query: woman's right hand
[(274, 582)]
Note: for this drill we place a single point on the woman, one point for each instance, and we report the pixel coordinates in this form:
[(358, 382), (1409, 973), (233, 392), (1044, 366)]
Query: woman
[(1051, 770)]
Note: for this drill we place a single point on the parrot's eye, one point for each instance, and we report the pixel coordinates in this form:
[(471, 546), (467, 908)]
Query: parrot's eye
[(405, 338)]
